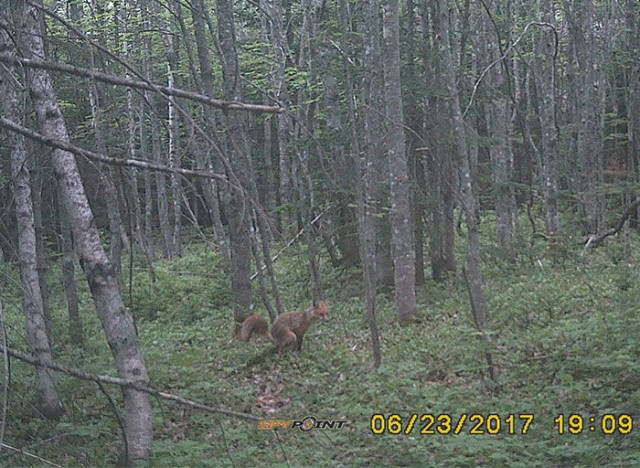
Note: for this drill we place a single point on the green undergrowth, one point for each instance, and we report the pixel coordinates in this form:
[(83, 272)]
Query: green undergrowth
[(563, 336)]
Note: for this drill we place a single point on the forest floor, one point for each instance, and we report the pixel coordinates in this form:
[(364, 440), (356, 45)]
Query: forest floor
[(564, 331)]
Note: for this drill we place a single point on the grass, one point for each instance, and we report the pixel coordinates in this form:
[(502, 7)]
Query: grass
[(564, 335)]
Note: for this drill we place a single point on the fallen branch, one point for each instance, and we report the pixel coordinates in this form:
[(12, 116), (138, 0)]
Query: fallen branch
[(28, 454), (127, 383), (596, 240)]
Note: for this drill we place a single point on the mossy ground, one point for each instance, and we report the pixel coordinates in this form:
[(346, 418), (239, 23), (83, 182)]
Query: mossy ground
[(564, 330)]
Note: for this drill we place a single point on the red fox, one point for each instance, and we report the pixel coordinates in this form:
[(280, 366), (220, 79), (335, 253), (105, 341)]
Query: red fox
[(288, 329)]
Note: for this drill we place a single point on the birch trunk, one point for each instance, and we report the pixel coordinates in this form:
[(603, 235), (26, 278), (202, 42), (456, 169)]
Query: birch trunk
[(48, 400), (116, 319)]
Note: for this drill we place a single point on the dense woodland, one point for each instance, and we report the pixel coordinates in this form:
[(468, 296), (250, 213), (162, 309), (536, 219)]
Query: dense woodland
[(459, 178)]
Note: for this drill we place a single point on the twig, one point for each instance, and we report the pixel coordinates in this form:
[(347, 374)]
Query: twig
[(500, 59), (5, 382), (116, 413), (289, 244), (28, 454)]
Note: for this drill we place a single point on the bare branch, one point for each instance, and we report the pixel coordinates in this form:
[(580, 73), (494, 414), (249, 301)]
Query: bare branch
[(142, 85), (127, 383), (504, 56), (138, 163), (289, 244)]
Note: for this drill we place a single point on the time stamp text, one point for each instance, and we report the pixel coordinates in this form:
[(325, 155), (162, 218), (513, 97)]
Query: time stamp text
[(493, 424)]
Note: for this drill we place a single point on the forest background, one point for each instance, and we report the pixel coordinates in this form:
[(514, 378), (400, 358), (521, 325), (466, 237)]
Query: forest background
[(458, 178)]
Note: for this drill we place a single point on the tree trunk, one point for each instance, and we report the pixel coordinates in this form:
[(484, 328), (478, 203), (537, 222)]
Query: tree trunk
[(589, 81), (131, 192), (41, 252), (363, 178), (374, 144), (278, 40), (116, 319), (240, 165), (499, 117), (502, 166), (416, 156), (48, 399), (204, 161), (441, 170), (544, 68), (159, 198), (633, 94), (467, 196), (174, 231), (147, 229), (106, 179), (175, 160), (76, 333), (401, 226), (475, 282)]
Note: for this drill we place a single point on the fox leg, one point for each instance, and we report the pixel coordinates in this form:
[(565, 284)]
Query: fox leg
[(299, 342), (289, 340)]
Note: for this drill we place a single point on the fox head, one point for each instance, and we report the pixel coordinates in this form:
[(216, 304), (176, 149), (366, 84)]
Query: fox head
[(321, 310)]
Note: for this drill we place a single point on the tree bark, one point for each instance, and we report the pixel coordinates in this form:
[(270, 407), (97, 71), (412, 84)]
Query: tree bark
[(363, 178), (633, 94), (174, 153), (41, 252), (441, 170), (414, 141), (116, 228)]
